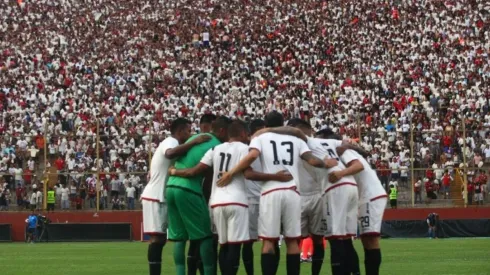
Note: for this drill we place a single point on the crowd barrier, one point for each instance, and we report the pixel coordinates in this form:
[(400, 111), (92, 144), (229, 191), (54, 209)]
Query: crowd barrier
[(87, 232), (5, 232), (127, 225)]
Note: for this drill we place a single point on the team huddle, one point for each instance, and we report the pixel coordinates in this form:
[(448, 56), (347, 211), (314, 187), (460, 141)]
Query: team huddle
[(236, 183)]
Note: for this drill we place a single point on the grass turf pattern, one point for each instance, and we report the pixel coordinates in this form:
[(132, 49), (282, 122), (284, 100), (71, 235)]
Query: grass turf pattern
[(400, 256)]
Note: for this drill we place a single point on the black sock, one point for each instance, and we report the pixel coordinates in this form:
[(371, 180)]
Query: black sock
[(268, 264), (223, 265), (292, 264), (372, 261), (215, 251), (155, 258), (248, 258), (277, 257), (233, 258), (337, 257), (193, 258), (352, 258), (317, 258)]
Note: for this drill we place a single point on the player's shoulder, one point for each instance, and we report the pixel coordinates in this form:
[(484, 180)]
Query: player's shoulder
[(169, 141)]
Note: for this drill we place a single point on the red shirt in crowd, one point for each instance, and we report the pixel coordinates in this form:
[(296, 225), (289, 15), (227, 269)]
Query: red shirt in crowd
[(59, 163), (446, 180), (428, 186)]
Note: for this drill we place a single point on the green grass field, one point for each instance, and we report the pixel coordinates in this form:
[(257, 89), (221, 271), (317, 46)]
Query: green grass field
[(400, 257)]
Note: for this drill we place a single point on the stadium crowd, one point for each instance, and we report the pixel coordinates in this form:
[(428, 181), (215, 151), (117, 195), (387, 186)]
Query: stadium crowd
[(371, 70)]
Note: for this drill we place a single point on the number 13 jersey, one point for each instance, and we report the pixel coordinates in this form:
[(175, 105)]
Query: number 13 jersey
[(222, 158), (277, 153)]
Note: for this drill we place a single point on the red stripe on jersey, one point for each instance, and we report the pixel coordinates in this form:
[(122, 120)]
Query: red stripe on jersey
[(148, 199), (292, 238), (378, 197), (230, 203), (338, 185), (293, 188)]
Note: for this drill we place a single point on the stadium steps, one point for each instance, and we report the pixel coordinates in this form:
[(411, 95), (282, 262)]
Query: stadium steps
[(455, 191)]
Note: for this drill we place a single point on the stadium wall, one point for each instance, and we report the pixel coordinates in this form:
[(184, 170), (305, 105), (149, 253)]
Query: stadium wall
[(17, 219)]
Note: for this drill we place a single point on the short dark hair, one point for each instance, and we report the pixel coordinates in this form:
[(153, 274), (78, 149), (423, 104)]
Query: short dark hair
[(236, 128), (274, 119), (298, 122), (207, 118), (256, 125), (328, 134), (178, 124), (221, 122)]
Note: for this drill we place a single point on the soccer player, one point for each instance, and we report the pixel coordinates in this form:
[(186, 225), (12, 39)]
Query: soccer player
[(229, 203), (253, 194), (188, 212), (153, 200), (280, 202), (313, 221), (193, 259)]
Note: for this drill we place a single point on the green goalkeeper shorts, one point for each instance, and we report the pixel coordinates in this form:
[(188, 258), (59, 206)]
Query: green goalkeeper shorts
[(188, 215)]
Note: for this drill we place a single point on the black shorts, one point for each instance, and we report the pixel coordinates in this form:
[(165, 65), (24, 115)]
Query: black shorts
[(51, 206), (393, 203), (83, 195), (31, 230), (114, 193)]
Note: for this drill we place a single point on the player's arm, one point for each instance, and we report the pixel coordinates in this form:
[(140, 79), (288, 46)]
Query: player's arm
[(281, 176), (286, 130), (316, 162), (353, 168), (184, 148), (199, 169), (226, 177)]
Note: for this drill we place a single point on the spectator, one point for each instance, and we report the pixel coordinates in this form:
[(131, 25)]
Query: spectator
[(418, 190), (65, 199), (33, 200), (51, 199), (83, 193), (446, 182), (3, 200), (39, 200), (393, 196), (479, 193), (130, 191)]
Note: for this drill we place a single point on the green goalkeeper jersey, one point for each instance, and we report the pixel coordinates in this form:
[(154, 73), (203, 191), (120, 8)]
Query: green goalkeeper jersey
[(191, 159)]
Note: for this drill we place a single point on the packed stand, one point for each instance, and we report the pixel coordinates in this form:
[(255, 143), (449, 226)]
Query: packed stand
[(367, 69)]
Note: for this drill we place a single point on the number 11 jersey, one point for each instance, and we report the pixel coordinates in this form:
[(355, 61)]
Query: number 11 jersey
[(277, 153), (222, 158)]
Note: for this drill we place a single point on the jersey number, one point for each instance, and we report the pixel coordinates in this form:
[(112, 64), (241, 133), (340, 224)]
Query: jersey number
[(222, 167), (331, 152), (364, 221), (290, 150)]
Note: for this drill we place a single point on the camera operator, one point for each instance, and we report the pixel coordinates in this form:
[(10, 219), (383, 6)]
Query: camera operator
[(42, 227), (432, 222), (32, 224)]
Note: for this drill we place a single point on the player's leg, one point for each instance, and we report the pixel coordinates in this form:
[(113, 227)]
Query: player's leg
[(155, 225), (247, 248), (334, 211), (193, 259), (317, 227), (269, 230), (237, 224), (370, 228), (351, 216), (177, 230), (194, 213), (291, 217)]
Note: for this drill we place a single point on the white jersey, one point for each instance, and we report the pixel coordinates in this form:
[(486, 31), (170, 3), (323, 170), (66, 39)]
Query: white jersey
[(155, 189), (322, 148), (369, 185), (277, 153), (222, 158), (254, 187), (307, 182)]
